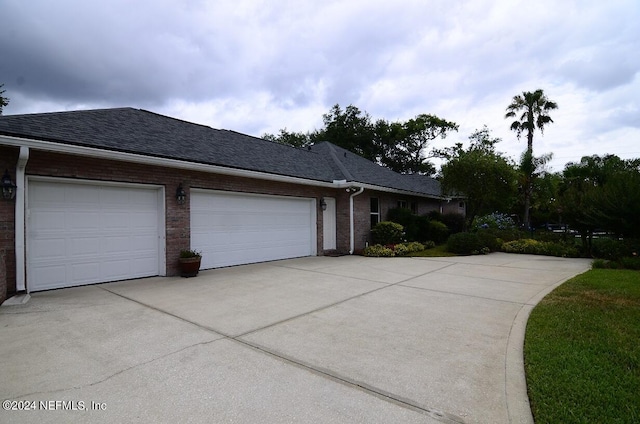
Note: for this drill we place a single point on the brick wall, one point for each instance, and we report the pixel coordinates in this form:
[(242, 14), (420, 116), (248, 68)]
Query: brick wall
[(177, 216), (8, 160)]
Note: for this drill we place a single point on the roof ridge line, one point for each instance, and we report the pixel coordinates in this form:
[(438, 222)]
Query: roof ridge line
[(334, 156)]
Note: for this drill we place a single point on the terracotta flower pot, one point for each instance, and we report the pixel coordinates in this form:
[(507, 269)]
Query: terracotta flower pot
[(189, 267)]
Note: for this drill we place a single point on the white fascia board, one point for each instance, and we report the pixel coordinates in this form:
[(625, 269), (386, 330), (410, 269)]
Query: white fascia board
[(346, 184), (192, 166), (153, 160)]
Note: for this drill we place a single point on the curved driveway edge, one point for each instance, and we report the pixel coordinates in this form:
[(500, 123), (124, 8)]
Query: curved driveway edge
[(318, 339)]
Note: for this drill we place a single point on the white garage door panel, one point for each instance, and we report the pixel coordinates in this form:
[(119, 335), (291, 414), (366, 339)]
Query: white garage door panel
[(83, 233), (234, 229)]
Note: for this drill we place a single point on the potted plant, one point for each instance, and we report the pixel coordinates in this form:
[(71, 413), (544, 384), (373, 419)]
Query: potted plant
[(189, 262)]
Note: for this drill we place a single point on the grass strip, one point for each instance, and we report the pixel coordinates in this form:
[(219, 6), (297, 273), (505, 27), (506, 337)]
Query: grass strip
[(582, 350)]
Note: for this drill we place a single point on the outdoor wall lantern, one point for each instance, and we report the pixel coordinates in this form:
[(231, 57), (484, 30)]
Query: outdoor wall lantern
[(181, 195), (8, 187), (323, 204)]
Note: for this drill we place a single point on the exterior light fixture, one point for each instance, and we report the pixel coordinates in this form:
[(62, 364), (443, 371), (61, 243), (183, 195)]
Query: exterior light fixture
[(323, 204), (181, 195), (8, 187)]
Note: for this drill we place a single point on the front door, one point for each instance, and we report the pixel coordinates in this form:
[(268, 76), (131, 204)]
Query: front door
[(329, 224)]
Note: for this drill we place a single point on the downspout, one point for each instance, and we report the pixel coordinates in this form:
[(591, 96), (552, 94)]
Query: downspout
[(351, 224), (20, 218)]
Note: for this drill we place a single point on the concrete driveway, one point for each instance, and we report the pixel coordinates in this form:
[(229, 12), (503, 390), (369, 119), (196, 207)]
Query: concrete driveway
[(310, 340)]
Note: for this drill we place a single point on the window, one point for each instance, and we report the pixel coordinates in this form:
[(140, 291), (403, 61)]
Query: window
[(414, 208), (402, 204), (375, 211)]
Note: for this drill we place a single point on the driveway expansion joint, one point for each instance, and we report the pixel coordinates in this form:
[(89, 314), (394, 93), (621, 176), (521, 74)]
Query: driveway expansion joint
[(441, 416)]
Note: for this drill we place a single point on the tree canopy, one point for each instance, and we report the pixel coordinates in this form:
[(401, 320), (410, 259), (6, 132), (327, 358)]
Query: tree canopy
[(485, 177), (602, 192), (401, 146), (4, 101)]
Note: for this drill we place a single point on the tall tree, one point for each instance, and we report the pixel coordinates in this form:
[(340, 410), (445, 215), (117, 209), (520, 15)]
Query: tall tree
[(350, 129), (294, 139), (483, 175), (4, 101), (531, 112), (419, 132), (400, 146), (601, 192)]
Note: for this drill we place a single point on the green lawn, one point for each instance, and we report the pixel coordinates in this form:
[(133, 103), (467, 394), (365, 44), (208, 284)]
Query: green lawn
[(582, 350)]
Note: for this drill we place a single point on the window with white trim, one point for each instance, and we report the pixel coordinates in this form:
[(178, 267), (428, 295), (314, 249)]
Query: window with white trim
[(375, 211)]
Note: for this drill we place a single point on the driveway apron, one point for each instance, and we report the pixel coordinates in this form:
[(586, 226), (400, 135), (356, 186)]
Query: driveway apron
[(318, 339)]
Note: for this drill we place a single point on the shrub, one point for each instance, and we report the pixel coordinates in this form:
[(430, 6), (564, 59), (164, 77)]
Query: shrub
[(401, 250), (489, 240), (434, 216), (407, 219), (606, 248), (414, 246), (631, 262), (429, 244), (377, 250), (438, 232), (600, 263), (535, 247), (464, 243), (455, 222), (387, 232), (495, 220)]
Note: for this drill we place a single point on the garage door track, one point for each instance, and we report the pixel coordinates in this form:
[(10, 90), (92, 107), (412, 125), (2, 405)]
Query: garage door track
[(317, 339)]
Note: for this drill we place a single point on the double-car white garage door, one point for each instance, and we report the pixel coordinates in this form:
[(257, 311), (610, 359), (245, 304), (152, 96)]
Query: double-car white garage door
[(233, 228), (84, 233)]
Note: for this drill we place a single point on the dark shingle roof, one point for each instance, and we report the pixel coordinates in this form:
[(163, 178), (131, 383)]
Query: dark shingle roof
[(358, 169), (138, 131)]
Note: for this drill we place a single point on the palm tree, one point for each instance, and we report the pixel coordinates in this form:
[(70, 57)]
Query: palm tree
[(535, 107)]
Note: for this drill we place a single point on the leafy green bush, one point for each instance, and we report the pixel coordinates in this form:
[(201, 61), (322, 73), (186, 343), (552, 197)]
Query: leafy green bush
[(429, 244), (414, 246), (378, 250), (455, 222), (495, 220), (438, 232), (401, 250), (606, 248), (489, 240), (464, 243), (600, 264), (535, 247), (387, 232), (408, 220), (632, 262)]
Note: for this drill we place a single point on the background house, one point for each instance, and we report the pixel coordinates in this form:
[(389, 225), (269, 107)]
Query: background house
[(96, 198)]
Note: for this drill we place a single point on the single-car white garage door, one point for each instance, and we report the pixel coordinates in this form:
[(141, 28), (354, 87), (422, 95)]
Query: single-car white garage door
[(84, 233), (233, 229)]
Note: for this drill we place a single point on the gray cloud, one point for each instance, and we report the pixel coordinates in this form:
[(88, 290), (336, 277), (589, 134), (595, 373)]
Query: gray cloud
[(281, 64)]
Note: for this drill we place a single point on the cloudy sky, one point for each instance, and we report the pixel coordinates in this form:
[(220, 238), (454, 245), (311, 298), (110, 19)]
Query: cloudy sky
[(257, 66)]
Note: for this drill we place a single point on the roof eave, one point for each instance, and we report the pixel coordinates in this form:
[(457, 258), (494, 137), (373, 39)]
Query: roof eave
[(73, 149)]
